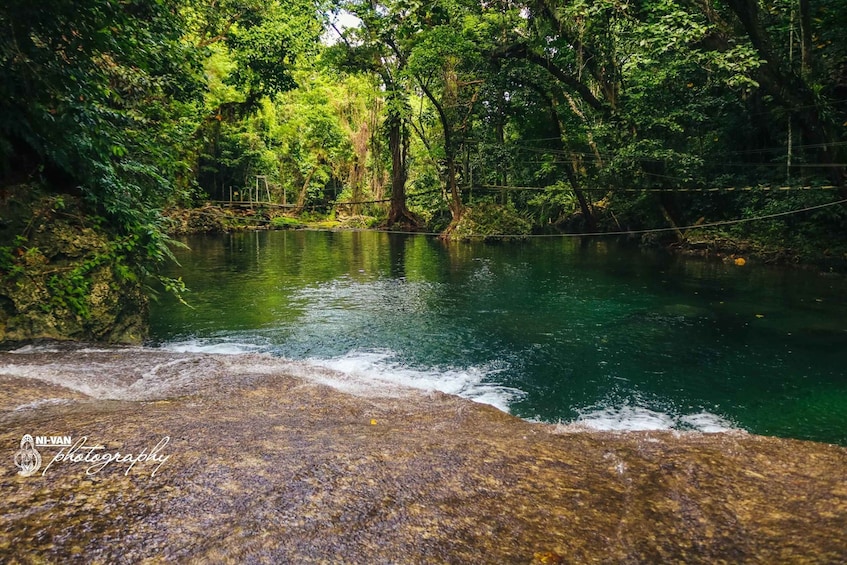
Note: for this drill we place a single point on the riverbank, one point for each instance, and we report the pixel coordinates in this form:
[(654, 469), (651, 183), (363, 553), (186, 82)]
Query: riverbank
[(730, 249), (210, 218), (66, 275), (274, 461), (701, 243)]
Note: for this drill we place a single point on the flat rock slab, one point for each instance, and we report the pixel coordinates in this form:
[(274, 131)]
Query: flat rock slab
[(267, 464)]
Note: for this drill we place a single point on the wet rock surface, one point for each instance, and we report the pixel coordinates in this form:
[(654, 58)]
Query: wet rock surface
[(266, 464)]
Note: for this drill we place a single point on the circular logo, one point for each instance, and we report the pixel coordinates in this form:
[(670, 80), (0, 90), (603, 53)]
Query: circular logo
[(27, 458)]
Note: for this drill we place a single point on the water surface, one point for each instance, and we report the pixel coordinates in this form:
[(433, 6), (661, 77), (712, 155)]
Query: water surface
[(556, 330)]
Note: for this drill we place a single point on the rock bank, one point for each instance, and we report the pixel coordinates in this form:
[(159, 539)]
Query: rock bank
[(63, 276), (279, 462)]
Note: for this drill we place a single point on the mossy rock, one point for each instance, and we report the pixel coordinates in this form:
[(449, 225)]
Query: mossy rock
[(61, 281), (490, 221)]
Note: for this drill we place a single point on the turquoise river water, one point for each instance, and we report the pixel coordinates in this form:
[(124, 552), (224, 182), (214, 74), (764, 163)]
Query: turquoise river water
[(590, 332)]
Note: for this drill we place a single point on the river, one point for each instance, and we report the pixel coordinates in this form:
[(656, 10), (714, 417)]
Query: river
[(590, 332)]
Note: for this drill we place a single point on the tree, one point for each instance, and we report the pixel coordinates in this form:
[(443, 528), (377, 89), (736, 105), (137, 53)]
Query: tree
[(96, 94), (435, 61), (791, 86), (312, 147), (252, 50), (97, 111), (373, 47)]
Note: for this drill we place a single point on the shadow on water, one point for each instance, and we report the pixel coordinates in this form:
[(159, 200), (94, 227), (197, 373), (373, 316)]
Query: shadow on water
[(590, 331)]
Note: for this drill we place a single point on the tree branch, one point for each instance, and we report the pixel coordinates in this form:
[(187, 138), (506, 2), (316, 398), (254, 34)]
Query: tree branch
[(521, 51)]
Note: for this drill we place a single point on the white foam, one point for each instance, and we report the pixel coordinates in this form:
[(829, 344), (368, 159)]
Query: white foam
[(29, 348), (379, 369), (220, 348), (128, 376), (640, 418), (625, 418), (120, 375), (708, 423), (59, 347), (367, 373), (37, 404), (58, 374)]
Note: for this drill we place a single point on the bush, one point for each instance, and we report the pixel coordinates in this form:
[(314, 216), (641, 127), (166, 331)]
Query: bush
[(491, 221), (286, 222)]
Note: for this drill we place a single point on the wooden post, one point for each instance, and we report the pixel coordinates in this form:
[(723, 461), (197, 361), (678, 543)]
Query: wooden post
[(470, 177)]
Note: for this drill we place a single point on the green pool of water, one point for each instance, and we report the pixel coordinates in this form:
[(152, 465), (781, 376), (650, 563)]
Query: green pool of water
[(557, 330)]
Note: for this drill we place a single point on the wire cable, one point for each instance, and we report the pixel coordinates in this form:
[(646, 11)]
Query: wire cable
[(608, 233), (700, 226), (637, 232)]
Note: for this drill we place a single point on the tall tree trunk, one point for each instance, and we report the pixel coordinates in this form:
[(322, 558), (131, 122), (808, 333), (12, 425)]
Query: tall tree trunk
[(304, 190), (398, 143), (572, 169), (584, 206), (456, 206), (666, 206), (500, 132), (377, 174)]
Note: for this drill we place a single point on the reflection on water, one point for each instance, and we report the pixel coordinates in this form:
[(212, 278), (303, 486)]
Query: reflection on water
[(554, 329)]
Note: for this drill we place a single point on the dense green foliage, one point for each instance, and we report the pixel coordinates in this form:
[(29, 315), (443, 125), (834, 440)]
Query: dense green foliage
[(602, 114), (553, 108), (589, 115), (94, 96)]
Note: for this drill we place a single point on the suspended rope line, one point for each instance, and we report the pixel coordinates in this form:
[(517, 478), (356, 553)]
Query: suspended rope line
[(351, 203), (793, 165), (706, 225), (603, 234), (668, 189), (606, 156), (641, 232)]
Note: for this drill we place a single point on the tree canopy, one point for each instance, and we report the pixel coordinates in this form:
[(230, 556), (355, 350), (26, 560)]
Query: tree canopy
[(583, 116)]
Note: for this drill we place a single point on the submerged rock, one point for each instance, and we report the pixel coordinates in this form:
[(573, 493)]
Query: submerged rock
[(265, 464)]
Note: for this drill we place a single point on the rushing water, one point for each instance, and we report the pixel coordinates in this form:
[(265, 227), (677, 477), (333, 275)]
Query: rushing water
[(557, 330)]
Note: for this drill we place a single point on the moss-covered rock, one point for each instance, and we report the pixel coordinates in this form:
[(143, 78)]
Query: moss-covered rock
[(63, 277), (490, 221), (207, 219)]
